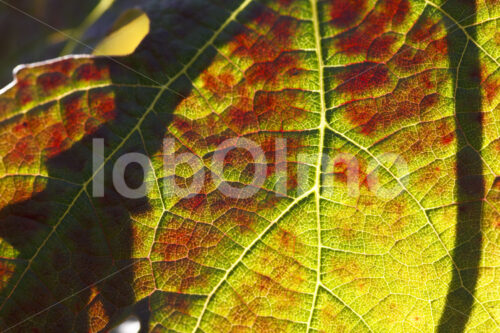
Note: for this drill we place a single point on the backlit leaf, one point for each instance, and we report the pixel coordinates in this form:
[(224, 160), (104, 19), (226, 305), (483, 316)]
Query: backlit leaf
[(405, 92)]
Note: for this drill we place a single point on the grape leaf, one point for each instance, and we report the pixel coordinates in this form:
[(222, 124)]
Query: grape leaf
[(404, 93)]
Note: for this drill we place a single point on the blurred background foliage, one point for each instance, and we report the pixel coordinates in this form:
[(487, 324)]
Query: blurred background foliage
[(36, 30)]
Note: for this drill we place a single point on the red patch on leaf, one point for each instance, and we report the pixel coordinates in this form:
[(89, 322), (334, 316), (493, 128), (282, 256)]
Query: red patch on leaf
[(362, 115), (24, 150), (447, 139), (380, 48), (358, 40), (497, 38), (178, 302), (51, 81), (244, 221), (262, 15), (428, 102), (371, 116), (89, 72), (272, 106), (402, 12), (218, 85), (491, 89), (264, 48), (496, 183), (269, 72), (282, 31), (194, 203), (345, 12), (423, 30), (360, 78), (62, 66), (239, 119), (24, 93), (21, 128), (57, 141), (74, 115), (6, 269), (439, 46), (342, 169), (409, 57), (447, 135), (497, 145), (103, 105), (287, 241)]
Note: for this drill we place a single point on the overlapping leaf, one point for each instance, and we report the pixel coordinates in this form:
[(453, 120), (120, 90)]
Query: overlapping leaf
[(414, 248)]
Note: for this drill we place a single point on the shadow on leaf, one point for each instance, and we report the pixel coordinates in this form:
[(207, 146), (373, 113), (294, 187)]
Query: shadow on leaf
[(75, 267), (470, 185)]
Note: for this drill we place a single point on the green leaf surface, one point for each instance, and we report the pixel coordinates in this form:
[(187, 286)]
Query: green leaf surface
[(405, 92)]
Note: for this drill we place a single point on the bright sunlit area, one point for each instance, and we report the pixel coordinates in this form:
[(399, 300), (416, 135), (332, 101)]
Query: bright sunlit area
[(131, 325)]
